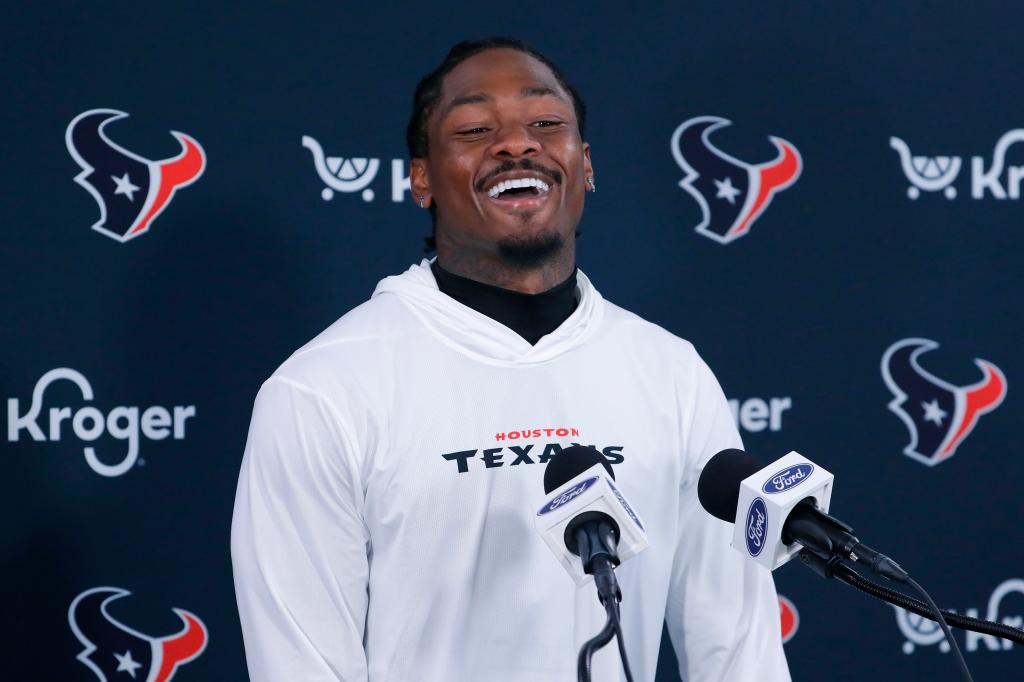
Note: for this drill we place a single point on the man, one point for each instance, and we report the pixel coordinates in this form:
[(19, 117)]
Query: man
[(383, 525)]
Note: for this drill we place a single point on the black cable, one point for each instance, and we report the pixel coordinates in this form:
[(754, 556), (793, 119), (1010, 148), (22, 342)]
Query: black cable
[(591, 646), (945, 629), (614, 614), (833, 567), (850, 577), (609, 595)]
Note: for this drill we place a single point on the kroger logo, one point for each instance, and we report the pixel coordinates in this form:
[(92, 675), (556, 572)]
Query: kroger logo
[(757, 526), (569, 495), (939, 173), (89, 423), (354, 174), (787, 478)]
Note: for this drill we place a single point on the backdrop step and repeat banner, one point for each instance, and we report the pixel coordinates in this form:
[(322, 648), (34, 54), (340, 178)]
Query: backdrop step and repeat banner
[(825, 198)]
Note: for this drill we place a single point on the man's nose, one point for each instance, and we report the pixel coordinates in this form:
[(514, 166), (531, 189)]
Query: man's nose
[(514, 141)]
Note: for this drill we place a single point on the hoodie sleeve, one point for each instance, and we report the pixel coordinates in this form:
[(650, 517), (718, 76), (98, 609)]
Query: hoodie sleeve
[(298, 542), (722, 612)]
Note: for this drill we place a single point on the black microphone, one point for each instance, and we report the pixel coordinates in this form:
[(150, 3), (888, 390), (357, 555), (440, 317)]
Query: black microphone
[(570, 463), (718, 490), (591, 535), (594, 514), (826, 540)]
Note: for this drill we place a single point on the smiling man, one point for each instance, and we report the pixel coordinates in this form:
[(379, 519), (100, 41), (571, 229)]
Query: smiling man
[(497, 154), (383, 523)]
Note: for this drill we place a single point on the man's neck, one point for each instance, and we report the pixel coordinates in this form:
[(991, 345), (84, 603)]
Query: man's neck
[(492, 270), (532, 316)]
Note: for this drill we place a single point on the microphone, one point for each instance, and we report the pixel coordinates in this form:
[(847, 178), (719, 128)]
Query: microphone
[(585, 519), (781, 509)]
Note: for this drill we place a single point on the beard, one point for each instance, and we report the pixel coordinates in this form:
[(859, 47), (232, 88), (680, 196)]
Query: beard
[(527, 252)]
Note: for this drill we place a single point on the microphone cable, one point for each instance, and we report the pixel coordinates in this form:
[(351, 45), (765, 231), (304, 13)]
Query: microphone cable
[(609, 595), (622, 644), (945, 628), (834, 566), (848, 576), (612, 629), (590, 647)]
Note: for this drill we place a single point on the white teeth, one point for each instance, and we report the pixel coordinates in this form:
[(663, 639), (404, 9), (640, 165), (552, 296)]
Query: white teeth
[(518, 183)]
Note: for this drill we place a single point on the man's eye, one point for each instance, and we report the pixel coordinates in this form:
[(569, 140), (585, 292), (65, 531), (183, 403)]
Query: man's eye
[(547, 124), (473, 131)]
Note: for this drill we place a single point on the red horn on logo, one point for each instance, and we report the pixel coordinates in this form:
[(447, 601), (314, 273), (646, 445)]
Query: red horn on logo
[(182, 647), (774, 176), (979, 398), (179, 171)]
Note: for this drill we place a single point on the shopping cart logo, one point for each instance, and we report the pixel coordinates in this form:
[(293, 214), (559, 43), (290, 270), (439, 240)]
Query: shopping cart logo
[(939, 174), (354, 174)]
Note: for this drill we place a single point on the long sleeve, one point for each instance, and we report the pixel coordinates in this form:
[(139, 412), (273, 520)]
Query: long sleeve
[(299, 545), (722, 613)]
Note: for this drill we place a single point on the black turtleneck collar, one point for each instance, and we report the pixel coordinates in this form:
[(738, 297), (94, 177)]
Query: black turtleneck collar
[(529, 315)]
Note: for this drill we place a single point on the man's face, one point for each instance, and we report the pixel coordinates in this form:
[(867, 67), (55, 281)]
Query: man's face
[(506, 165)]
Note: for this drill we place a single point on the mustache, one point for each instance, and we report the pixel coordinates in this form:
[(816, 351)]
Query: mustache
[(551, 174)]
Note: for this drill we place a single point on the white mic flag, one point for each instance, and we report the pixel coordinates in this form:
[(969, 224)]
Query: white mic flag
[(766, 499), (591, 491)]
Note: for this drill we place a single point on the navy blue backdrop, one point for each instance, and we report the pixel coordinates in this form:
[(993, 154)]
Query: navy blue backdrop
[(864, 258)]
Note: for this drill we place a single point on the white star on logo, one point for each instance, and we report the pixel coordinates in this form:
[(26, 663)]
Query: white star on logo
[(125, 186), (726, 190), (125, 661), (934, 413)]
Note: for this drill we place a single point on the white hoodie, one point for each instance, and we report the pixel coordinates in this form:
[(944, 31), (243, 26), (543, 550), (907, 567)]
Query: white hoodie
[(383, 526)]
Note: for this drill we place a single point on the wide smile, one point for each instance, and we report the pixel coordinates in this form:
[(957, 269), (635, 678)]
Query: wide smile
[(519, 193)]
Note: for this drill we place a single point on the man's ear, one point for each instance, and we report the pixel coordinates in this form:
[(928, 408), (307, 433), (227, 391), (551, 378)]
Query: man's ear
[(588, 167), (419, 182)]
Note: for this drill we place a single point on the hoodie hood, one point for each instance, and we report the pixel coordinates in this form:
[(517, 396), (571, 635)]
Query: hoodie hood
[(480, 337)]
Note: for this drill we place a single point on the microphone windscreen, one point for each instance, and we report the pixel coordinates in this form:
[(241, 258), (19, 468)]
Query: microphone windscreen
[(719, 486), (570, 463)]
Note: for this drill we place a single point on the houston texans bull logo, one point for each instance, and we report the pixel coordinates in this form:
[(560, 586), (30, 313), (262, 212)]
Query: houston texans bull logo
[(732, 194), (131, 190), (938, 414), (116, 652)]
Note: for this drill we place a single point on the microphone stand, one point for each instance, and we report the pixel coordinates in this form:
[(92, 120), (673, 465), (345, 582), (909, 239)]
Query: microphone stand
[(591, 646), (835, 568), (599, 559), (826, 541)]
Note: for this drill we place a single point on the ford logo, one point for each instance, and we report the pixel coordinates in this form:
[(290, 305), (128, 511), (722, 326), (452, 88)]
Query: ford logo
[(625, 505), (757, 526), (787, 478), (568, 496)]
